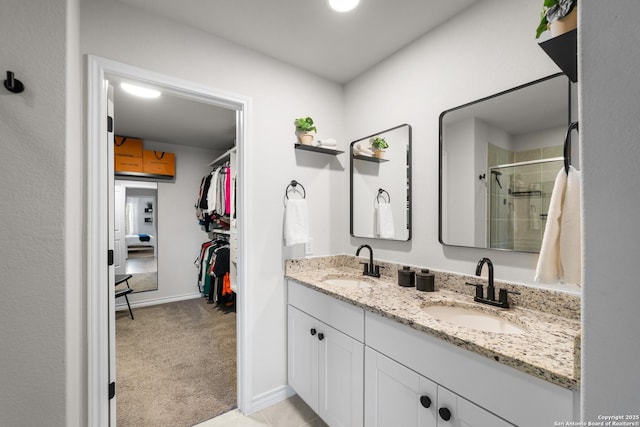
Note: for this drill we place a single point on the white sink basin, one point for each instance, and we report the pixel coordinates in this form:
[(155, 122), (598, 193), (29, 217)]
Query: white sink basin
[(473, 319), (348, 282)]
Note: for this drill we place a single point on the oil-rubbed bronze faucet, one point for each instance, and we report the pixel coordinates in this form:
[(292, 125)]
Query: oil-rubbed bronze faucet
[(369, 269), (502, 301)]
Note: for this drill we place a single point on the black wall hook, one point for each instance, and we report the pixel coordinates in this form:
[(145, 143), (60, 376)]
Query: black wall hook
[(12, 84)]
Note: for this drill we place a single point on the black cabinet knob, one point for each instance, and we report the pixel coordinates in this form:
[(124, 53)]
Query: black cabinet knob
[(425, 401), (445, 414), (313, 331), (320, 336)]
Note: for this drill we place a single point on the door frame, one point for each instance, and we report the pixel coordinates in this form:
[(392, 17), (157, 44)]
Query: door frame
[(97, 231)]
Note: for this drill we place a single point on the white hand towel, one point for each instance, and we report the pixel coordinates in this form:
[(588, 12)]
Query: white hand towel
[(296, 222), (327, 142), (561, 252), (384, 221), (362, 150)]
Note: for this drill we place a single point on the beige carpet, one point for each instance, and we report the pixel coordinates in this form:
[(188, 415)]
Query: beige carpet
[(176, 364)]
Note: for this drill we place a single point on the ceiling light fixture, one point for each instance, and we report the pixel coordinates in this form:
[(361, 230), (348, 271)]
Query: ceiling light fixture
[(343, 5), (142, 92)]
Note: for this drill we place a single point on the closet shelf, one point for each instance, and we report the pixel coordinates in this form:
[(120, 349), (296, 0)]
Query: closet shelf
[(563, 49), (225, 155), (317, 149), (369, 158), (144, 176)]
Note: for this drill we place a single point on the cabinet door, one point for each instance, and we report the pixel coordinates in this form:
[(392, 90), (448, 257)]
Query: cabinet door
[(302, 352), (397, 396), (462, 413), (340, 376)]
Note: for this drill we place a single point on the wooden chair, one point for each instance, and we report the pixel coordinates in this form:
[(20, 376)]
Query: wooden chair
[(124, 291)]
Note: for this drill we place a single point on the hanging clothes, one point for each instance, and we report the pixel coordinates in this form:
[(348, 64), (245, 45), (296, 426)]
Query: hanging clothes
[(213, 206)]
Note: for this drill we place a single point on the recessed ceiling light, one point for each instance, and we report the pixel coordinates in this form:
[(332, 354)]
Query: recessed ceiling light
[(142, 92), (343, 5)]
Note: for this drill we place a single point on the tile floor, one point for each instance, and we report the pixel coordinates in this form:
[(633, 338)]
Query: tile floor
[(292, 412)]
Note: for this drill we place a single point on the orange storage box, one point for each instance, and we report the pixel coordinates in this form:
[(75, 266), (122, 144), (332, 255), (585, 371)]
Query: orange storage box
[(159, 163), (128, 164), (125, 146)]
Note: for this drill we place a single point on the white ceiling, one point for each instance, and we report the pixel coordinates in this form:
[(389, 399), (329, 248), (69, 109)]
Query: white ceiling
[(304, 33), (172, 119), (308, 34)]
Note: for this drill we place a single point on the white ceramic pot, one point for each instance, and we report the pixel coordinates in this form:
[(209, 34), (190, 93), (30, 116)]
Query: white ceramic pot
[(306, 138)]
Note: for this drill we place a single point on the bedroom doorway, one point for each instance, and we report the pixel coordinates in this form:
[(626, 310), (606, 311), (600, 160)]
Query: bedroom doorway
[(100, 169)]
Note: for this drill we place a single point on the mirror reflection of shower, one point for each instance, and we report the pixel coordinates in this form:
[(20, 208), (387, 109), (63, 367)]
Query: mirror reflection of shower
[(518, 194)]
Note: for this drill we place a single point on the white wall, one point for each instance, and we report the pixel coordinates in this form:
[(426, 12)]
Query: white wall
[(470, 57), (610, 149), (460, 204), (279, 93), (41, 369)]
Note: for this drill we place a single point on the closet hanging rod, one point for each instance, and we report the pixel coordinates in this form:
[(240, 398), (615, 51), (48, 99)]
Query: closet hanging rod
[(567, 145), (223, 156)]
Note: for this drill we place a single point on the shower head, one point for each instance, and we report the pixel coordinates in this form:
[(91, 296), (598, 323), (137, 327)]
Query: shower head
[(497, 173)]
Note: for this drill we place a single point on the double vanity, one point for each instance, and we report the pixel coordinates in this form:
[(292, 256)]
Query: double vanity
[(363, 351)]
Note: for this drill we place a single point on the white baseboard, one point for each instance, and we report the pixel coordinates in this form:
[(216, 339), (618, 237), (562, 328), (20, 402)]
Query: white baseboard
[(156, 301), (269, 398)]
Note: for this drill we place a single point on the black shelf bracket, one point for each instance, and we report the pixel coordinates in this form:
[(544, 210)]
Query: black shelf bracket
[(563, 49)]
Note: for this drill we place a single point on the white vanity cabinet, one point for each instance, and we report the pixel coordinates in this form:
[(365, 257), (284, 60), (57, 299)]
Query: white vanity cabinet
[(476, 390), (326, 355), (397, 396)]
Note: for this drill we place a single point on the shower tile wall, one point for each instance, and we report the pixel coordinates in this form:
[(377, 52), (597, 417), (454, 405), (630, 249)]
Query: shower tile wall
[(517, 214)]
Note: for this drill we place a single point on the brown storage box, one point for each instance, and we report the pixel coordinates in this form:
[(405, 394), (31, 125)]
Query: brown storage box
[(158, 163), (125, 146), (128, 164)]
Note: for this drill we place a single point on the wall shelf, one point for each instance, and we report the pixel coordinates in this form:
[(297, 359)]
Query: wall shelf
[(563, 49), (317, 149), (369, 158), (144, 176)]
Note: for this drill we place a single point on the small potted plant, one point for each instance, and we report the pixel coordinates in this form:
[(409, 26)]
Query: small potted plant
[(304, 128), (379, 145), (558, 16)]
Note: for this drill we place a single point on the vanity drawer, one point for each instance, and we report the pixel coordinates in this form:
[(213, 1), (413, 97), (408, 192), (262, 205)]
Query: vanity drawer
[(522, 399), (338, 314)]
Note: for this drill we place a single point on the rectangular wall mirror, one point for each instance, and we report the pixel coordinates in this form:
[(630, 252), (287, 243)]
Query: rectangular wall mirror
[(381, 186), (136, 233), (499, 157)]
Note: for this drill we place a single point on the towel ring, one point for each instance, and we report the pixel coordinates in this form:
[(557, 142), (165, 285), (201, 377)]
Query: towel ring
[(294, 184), (381, 193), (567, 146)]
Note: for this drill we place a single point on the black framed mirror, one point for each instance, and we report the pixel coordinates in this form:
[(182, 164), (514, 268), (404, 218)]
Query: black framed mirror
[(381, 185), (499, 157)]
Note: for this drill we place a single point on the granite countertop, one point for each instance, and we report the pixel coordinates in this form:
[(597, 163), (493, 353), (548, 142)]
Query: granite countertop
[(549, 349)]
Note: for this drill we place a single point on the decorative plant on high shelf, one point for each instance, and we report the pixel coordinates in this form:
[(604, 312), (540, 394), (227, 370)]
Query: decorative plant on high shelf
[(379, 145), (559, 16), (304, 128)]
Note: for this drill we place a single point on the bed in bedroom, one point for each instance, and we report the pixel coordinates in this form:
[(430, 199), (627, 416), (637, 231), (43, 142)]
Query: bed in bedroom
[(140, 242)]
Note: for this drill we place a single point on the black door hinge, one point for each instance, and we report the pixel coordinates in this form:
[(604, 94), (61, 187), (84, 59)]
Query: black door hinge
[(110, 257), (109, 124), (112, 390)]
